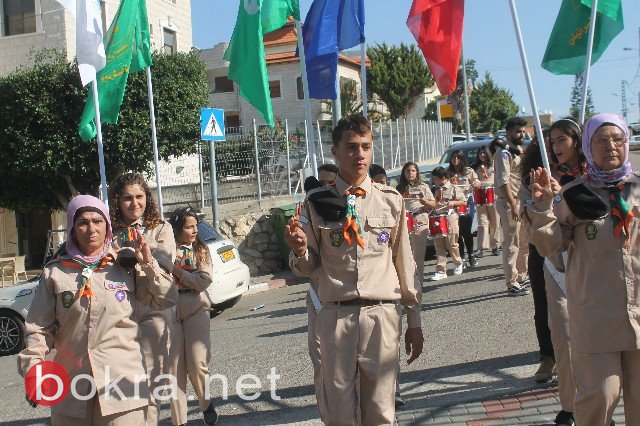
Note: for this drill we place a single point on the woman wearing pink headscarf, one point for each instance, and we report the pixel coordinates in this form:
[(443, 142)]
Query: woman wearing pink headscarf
[(84, 307), (595, 218)]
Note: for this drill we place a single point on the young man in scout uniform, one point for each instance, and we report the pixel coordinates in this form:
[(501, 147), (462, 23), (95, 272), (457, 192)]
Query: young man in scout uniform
[(508, 175), (353, 237), (448, 197)]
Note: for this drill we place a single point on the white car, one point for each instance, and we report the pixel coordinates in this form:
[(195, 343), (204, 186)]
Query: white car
[(231, 281)]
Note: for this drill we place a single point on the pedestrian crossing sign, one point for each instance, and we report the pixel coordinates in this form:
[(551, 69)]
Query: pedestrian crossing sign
[(212, 124)]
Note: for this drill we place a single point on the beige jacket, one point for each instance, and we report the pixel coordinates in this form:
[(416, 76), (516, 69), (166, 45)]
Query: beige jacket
[(603, 277), (466, 180), (412, 202), (485, 181), (198, 279), (508, 171), (90, 335), (383, 270)]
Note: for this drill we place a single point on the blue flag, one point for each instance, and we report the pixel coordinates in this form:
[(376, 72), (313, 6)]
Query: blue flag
[(330, 26)]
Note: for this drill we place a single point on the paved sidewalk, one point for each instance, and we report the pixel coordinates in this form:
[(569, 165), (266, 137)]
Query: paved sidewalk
[(535, 407)]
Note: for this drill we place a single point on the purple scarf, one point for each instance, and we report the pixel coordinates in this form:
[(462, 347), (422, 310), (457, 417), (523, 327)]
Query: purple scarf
[(595, 172), (93, 203)]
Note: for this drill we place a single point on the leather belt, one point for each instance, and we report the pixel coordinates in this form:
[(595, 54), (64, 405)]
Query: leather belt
[(364, 302), (185, 290)]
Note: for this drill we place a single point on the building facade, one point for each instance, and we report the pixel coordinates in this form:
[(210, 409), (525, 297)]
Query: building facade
[(27, 26)]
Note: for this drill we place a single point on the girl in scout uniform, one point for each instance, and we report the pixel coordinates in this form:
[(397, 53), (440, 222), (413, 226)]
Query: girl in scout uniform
[(133, 208), (595, 218), (488, 221), (190, 351), (84, 307), (465, 179), (418, 201)]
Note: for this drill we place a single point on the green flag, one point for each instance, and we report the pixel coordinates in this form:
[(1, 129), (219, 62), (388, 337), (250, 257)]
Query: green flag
[(567, 48), (245, 54), (128, 50)]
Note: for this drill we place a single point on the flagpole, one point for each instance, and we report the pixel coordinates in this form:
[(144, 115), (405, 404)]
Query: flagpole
[(307, 101), (363, 79), (154, 138), (587, 67), (103, 174), (466, 96), (527, 75)]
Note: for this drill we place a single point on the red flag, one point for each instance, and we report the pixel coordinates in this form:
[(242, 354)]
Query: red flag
[(437, 27)]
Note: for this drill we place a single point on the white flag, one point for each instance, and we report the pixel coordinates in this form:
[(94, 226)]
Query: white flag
[(89, 37)]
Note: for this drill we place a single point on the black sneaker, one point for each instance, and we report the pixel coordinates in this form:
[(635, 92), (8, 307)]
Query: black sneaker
[(495, 252), (473, 261), (565, 418), (209, 415), (516, 290), (526, 282), (479, 254), (399, 401)]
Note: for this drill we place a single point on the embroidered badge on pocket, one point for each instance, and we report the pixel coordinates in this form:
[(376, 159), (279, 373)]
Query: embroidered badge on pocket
[(67, 298)]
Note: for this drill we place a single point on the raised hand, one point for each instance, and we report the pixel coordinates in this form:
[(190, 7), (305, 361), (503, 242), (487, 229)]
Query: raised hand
[(541, 185), (143, 252), (295, 236)]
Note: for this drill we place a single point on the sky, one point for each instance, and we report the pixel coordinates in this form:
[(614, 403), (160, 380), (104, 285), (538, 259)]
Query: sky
[(489, 38)]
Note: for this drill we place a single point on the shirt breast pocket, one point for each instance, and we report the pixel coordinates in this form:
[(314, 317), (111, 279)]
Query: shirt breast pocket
[(378, 230), (119, 296), (332, 235), (65, 295)]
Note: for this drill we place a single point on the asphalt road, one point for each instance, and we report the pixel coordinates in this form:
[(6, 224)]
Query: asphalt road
[(479, 343)]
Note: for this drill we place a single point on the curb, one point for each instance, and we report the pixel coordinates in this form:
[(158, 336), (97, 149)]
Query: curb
[(279, 280)]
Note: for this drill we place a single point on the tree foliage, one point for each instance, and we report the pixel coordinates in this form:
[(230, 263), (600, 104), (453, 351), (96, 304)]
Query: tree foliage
[(490, 106), (44, 161), (351, 103), (398, 75), (576, 99)]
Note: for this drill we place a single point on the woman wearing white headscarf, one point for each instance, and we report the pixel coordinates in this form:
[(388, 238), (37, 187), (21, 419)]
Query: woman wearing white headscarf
[(595, 218)]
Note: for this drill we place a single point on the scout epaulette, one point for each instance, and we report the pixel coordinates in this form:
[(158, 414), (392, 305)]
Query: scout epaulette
[(329, 206), (585, 204)]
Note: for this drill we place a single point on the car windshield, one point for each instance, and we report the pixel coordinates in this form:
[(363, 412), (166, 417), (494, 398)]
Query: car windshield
[(207, 233)]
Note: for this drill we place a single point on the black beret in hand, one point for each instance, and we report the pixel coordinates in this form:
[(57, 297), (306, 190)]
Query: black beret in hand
[(329, 206), (584, 203)]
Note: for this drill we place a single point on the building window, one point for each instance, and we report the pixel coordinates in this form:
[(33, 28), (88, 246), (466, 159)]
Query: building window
[(223, 85), (274, 88), (300, 88), (232, 123), (169, 38), (19, 17)]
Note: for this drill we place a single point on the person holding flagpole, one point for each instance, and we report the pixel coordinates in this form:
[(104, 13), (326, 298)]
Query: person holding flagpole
[(134, 209), (353, 237), (595, 218)]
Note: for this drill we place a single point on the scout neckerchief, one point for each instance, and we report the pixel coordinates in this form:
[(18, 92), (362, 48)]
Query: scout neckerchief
[(485, 174), (565, 171), (352, 221), (621, 213), (87, 272), (184, 260), (129, 234)]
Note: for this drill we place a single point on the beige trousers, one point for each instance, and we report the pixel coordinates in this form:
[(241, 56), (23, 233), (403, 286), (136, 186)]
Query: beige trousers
[(419, 248), (599, 379), (313, 343), (359, 343), (488, 227), (93, 417), (515, 248), (559, 325), (448, 244), (190, 352), (154, 344)]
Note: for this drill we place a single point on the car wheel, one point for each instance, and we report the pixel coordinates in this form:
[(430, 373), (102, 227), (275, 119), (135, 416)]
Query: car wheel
[(11, 333)]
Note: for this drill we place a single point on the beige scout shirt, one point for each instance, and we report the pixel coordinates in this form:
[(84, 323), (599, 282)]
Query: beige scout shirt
[(507, 172), (91, 335), (383, 270), (444, 194), (412, 202), (163, 248), (465, 180), (485, 181), (198, 279), (603, 277)]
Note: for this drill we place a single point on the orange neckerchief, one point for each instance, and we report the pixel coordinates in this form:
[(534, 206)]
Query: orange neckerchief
[(352, 221), (87, 272), (184, 260)]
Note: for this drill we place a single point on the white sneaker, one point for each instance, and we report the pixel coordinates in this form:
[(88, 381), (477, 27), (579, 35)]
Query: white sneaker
[(438, 276), (458, 270)]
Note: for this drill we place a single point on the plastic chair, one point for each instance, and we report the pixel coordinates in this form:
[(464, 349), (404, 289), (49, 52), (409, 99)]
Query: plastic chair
[(19, 268)]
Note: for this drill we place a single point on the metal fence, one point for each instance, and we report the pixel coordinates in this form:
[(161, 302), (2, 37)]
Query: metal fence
[(282, 158)]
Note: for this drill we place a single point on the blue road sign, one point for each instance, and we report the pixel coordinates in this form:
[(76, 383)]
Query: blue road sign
[(212, 124)]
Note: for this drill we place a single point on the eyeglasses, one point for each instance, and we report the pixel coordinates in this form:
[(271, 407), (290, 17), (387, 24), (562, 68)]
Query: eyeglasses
[(618, 141)]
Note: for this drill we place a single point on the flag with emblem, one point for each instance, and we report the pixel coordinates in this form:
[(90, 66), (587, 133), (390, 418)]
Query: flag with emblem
[(246, 55), (567, 47)]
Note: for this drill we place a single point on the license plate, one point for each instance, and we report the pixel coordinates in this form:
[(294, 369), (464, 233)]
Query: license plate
[(228, 255)]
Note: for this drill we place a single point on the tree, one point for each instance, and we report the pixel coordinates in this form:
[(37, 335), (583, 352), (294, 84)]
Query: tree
[(44, 161), (398, 75), (490, 106), (350, 103), (576, 99)]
